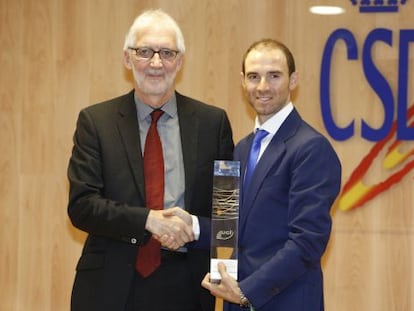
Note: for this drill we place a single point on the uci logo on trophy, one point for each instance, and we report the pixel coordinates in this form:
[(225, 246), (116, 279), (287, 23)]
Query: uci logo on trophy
[(224, 235)]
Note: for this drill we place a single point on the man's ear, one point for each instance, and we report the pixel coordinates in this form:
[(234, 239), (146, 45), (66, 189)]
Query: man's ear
[(294, 80), (127, 60), (180, 62), (243, 82)]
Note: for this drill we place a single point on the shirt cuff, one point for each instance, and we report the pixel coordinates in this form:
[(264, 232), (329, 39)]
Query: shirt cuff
[(196, 227)]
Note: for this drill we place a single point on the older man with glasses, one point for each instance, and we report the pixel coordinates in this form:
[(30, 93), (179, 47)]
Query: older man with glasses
[(141, 183)]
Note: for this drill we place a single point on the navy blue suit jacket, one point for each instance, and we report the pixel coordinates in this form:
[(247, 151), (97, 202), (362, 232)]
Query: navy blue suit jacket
[(285, 220)]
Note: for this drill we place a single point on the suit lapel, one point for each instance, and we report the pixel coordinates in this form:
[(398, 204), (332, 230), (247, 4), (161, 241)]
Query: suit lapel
[(244, 155), (189, 127), (129, 132), (272, 154)]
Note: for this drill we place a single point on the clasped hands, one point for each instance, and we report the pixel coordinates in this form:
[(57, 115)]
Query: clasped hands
[(172, 227)]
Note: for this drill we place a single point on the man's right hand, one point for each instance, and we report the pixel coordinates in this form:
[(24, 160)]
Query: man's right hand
[(171, 230)]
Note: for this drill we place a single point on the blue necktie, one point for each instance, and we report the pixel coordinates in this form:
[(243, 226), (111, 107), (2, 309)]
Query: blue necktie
[(254, 154)]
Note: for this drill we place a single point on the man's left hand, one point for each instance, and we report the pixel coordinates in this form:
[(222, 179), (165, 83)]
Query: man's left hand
[(228, 288)]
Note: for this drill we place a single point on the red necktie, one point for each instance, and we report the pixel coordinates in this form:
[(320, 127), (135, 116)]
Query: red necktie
[(149, 255)]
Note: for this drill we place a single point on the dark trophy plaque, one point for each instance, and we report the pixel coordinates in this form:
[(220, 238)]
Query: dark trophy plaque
[(225, 218)]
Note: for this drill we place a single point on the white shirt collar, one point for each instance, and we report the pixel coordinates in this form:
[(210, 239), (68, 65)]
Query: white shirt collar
[(144, 110), (273, 124)]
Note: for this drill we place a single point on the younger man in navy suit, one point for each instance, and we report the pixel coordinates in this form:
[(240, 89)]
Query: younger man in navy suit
[(285, 221)]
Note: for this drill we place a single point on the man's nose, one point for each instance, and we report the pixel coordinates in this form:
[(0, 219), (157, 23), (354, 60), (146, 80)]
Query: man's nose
[(263, 84), (156, 60)]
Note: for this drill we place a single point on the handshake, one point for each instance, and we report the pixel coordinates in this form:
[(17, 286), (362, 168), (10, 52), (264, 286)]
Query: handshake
[(172, 227)]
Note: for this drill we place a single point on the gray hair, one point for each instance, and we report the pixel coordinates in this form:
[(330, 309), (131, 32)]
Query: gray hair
[(149, 18)]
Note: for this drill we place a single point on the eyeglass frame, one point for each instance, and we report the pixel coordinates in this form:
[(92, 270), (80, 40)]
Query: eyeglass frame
[(175, 52)]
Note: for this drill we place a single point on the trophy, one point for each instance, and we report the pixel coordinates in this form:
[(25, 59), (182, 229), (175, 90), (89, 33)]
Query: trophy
[(225, 218)]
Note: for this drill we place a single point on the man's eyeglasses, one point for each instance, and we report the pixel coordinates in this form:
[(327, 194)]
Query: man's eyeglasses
[(147, 53)]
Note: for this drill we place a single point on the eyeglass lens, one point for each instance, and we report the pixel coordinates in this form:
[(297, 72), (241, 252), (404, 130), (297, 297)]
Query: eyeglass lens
[(148, 53)]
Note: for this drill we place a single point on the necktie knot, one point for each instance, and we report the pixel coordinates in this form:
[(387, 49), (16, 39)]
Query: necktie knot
[(156, 115), (258, 136)]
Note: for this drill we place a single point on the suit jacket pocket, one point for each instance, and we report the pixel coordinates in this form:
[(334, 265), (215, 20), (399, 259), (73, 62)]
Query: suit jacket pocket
[(91, 261)]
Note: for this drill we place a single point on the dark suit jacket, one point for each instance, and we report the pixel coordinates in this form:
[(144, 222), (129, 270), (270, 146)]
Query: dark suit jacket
[(106, 196), (285, 221)]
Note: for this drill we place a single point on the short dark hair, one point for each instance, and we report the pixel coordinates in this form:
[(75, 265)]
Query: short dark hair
[(272, 44)]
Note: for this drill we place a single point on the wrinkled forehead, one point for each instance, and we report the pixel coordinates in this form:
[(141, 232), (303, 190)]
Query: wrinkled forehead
[(156, 37)]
